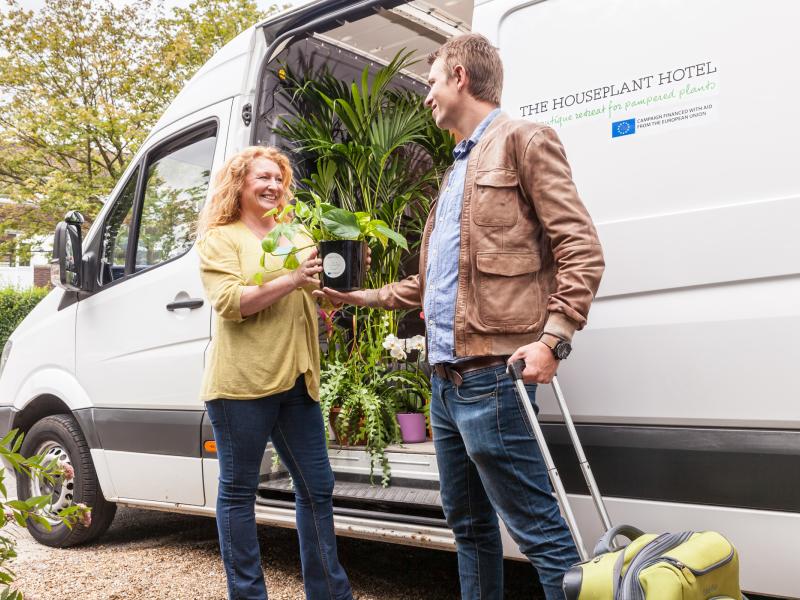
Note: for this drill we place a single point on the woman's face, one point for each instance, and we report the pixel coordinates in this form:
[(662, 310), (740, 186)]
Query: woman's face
[(262, 189)]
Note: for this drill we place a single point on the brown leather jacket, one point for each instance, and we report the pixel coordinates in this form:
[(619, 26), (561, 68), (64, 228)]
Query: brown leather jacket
[(530, 260)]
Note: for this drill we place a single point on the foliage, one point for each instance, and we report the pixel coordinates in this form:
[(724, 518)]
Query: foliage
[(323, 221), (357, 379), (76, 105), (370, 148), (14, 307), (26, 511)]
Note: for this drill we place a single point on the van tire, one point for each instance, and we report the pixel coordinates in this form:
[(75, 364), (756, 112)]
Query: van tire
[(61, 432)]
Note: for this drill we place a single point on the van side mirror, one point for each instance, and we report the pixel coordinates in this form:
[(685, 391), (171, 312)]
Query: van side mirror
[(65, 268)]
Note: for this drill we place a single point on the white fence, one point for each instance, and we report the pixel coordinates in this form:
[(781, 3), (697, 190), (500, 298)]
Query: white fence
[(18, 277)]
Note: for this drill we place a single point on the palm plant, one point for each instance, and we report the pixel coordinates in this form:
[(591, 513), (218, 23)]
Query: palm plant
[(368, 147)]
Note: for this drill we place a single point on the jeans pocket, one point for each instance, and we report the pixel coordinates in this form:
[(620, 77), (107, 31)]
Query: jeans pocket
[(476, 389), (523, 414)]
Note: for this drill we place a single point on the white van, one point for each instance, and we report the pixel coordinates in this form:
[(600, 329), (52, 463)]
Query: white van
[(678, 118)]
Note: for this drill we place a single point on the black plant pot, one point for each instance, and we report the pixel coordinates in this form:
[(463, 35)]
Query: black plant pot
[(344, 264)]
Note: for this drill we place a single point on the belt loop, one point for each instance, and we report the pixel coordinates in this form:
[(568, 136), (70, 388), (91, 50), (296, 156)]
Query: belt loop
[(455, 377)]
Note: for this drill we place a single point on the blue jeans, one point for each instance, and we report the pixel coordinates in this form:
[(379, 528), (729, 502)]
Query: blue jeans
[(490, 464), (241, 429)]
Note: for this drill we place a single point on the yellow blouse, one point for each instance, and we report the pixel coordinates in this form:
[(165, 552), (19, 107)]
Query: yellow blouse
[(264, 353)]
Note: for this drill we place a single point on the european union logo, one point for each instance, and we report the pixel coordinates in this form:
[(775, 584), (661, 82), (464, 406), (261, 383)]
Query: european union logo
[(621, 128)]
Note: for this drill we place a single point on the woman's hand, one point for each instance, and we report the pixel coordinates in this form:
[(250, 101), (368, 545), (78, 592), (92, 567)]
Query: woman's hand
[(306, 273)]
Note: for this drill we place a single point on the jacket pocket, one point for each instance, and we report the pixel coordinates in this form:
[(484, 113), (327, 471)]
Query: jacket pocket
[(494, 201), (508, 293)]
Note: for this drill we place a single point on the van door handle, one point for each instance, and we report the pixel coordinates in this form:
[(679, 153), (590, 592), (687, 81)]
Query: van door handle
[(191, 304)]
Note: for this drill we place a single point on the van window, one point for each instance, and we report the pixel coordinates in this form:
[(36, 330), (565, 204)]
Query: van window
[(116, 233), (176, 185)]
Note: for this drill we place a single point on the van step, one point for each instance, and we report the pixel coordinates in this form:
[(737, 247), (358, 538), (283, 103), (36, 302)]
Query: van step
[(398, 502)]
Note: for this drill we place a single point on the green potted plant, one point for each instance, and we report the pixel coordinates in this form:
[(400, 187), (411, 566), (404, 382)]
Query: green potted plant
[(341, 235)]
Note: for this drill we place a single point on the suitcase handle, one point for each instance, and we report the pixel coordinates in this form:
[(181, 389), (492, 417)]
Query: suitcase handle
[(515, 370), (606, 541)]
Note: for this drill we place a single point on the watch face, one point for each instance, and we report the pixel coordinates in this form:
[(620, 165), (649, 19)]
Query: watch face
[(562, 350)]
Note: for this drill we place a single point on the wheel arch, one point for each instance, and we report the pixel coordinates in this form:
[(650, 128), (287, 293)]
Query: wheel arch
[(37, 409)]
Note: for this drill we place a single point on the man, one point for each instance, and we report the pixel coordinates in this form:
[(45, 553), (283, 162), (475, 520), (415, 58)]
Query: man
[(509, 265)]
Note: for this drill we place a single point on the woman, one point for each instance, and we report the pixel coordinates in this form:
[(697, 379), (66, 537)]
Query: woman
[(262, 377)]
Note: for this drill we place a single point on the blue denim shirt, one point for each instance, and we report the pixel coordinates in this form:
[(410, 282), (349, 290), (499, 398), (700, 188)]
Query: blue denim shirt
[(441, 275)]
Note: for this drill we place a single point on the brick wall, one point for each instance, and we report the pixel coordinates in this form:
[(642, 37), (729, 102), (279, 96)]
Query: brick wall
[(41, 276)]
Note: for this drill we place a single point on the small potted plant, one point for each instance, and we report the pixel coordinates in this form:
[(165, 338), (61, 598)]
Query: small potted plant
[(411, 415), (340, 234)]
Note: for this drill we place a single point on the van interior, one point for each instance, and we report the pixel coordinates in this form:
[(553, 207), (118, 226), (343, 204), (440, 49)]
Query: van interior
[(365, 34)]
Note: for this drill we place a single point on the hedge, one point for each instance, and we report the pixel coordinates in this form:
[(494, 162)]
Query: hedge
[(14, 306)]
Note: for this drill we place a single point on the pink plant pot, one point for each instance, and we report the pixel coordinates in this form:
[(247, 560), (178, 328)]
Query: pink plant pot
[(412, 427)]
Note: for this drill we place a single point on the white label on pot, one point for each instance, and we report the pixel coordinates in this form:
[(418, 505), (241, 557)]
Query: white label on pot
[(333, 265)]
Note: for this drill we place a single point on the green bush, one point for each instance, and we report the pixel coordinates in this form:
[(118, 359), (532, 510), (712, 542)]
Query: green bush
[(14, 306)]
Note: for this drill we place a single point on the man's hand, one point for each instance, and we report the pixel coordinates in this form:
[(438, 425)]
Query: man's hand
[(540, 364), (337, 299)]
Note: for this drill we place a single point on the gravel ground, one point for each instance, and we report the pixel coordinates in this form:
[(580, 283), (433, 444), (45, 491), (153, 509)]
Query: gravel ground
[(154, 555)]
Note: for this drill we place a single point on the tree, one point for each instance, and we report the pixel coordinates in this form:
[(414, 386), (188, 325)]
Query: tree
[(81, 84)]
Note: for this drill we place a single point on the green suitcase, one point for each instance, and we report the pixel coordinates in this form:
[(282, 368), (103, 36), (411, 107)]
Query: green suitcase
[(670, 566)]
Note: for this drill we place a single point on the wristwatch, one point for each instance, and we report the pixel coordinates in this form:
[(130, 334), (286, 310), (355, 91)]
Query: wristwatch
[(558, 347)]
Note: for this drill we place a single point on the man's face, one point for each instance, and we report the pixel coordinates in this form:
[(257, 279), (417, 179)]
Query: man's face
[(443, 97)]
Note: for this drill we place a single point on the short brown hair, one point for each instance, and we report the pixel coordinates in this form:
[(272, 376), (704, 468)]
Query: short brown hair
[(480, 60)]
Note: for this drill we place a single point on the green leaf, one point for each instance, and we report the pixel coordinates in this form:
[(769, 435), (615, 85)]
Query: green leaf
[(364, 219), (342, 224), (392, 235), (291, 262), (258, 278), (40, 520), (302, 210), (272, 239), (21, 505), (8, 437), (39, 501), (269, 243)]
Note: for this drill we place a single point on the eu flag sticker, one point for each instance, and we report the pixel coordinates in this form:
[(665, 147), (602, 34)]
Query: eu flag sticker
[(621, 128)]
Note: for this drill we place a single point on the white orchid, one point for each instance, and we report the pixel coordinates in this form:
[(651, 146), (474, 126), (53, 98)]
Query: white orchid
[(391, 342), (416, 343), (398, 353), (398, 347)]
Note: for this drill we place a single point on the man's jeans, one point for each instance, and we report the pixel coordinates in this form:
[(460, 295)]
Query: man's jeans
[(490, 464), (241, 429)]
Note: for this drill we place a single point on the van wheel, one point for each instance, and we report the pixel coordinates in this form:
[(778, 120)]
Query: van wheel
[(59, 437)]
